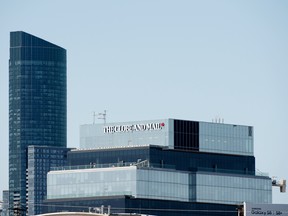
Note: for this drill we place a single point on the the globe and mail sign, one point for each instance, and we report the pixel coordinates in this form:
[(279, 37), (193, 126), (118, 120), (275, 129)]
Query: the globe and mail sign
[(133, 127), (133, 133)]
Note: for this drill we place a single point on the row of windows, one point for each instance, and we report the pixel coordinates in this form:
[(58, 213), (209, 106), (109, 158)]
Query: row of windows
[(179, 160), (36, 53), (233, 182), (231, 195), (226, 145), (49, 150), (37, 63), (225, 130)]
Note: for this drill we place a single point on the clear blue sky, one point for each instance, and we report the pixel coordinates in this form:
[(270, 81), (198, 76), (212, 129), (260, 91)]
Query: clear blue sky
[(155, 59)]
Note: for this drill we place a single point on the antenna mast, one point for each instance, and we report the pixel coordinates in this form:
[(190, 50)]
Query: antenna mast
[(94, 116), (103, 116)]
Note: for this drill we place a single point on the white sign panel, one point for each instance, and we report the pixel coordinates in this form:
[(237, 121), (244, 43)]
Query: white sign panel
[(265, 209)]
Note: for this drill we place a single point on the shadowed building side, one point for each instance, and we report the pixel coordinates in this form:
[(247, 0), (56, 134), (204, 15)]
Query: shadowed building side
[(37, 105)]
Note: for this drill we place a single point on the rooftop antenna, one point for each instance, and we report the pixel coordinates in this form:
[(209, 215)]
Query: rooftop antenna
[(218, 120), (103, 116), (94, 116)]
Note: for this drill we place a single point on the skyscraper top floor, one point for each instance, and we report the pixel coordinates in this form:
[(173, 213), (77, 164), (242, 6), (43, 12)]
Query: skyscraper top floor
[(27, 47), (171, 133)]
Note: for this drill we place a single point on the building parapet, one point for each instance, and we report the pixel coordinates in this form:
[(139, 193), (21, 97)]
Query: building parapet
[(148, 164)]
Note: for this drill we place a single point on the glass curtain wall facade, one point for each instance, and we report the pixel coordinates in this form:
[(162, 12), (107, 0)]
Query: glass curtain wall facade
[(37, 105), (226, 139), (159, 184), (230, 189), (162, 157), (40, 161)]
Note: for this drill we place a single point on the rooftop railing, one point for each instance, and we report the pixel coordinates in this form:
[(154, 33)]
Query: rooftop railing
[(148, 164)]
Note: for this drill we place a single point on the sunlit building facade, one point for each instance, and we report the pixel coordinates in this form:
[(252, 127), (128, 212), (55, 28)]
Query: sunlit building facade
[(160, 167)]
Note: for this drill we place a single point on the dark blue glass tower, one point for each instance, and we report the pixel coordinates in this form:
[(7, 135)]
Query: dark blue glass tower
[(37, 106)]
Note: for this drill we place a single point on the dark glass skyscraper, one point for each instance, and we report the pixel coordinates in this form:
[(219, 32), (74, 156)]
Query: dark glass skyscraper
[(37, 105)]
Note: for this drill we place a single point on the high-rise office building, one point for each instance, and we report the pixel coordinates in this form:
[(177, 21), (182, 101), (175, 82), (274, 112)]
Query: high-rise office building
[(5, 204), (40, 161), (163, 167), (37, 105)]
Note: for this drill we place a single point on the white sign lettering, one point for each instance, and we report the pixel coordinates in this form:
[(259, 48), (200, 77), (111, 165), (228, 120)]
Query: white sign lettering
[(132, 128)]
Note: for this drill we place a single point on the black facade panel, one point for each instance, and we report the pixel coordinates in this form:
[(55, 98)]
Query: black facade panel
[(186, 135), (84, 204), (101, 156), (176, 208), (167, 158), (200, 161), (126, 204)]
